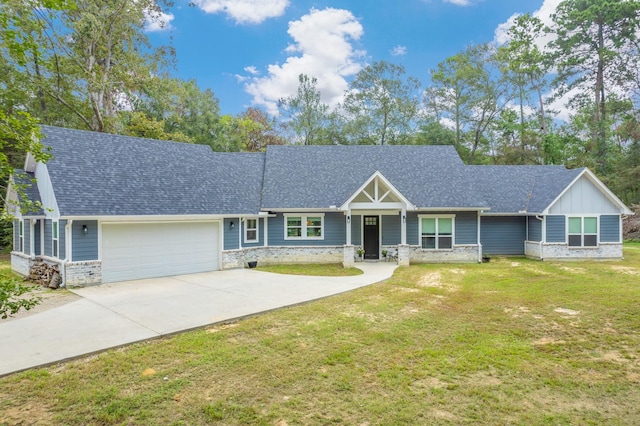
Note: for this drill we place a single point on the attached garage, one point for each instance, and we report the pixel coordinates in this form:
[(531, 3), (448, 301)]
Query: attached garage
[(146, 250)]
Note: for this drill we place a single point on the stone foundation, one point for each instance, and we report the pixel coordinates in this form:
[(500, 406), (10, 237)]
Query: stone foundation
[(21, 263), (348, 258), (605, 251), (282, 255), (459, 254), (532, 249), (83, 273)]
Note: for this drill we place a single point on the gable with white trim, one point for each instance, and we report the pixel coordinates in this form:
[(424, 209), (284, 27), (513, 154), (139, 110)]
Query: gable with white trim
[(584, 196)]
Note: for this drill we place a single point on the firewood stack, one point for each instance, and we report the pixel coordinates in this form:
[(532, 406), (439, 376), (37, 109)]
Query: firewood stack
[(44, 274)]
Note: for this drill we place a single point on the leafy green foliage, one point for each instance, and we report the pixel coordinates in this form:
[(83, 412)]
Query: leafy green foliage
[(11, 300)]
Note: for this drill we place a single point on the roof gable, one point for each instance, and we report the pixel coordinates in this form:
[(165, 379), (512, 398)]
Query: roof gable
[(377, 192)]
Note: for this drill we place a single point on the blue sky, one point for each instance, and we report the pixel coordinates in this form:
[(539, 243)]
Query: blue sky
[(250, 52)]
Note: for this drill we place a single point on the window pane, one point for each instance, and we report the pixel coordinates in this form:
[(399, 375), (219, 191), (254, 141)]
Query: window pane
[(575, 240), (294, 232), (55, 229), (314, 232), (314, 221), (428, 242), (575, 225), (444, 243), (251, 235), (445, 226), (590, 240), (294, 221), (251, 223), (429, 226), (590, 225)]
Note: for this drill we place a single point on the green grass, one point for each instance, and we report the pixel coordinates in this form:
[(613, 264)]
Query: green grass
[(327, 270), (513, 341)]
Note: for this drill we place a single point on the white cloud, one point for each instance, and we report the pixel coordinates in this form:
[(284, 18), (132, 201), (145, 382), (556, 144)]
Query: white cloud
[(252, 70), (244, 11), (459, 2), (547, 9), (322, 41), (157, 21), (399, 51)]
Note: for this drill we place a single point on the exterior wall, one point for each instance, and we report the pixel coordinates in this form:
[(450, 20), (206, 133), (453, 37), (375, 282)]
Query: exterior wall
[(563, 252), (466, 227), (47, 237), (36, 238), (583, 197), (27, 236), (556, 226), (83, 273), (62, 239), (260, 241), (391, 230), (84, 246), (532, 250), (16, 235), (231, 239), (356, 230), (459, 253), (534, 229), (610, 229), (503, 235)]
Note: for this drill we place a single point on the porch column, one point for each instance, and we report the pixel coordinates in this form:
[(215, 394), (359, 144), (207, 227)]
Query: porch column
[(348, 221), (403, 226)]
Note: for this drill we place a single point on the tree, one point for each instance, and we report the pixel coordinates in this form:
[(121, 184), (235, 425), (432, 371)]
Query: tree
[(380, 106), (251, 131), (306, 112), (10, 297), (591, 36)]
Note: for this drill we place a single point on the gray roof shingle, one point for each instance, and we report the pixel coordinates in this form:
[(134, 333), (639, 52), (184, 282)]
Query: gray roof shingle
[(104, 174)]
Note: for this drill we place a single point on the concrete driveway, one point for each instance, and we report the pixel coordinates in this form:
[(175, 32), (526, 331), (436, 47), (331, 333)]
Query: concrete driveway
[(112, 315)]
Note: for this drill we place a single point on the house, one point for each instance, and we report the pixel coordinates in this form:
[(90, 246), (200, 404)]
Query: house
[(119, 208)]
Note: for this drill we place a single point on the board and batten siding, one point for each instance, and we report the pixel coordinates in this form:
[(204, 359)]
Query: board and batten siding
[(84, 246), (610, 229), (556, 229), (583, 197), (503, 235), (335, 232), (391, 230), (534, 229)]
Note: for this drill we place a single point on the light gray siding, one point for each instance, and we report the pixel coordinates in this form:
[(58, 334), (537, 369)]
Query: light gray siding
[(84, 246), (391, 231), (334, 231), (503, 235), (466, 227), (356, 230), (534, 227), (583, 197), (556, 229), (610, 229), (231, 236)]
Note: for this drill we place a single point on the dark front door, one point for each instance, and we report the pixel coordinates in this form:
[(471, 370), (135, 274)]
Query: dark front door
[(371, 237)]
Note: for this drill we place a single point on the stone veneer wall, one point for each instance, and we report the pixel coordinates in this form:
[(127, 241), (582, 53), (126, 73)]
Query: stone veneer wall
[(21, 263), (467, 253), (564, 252), (532, 249), (277, 255), (83, 273)]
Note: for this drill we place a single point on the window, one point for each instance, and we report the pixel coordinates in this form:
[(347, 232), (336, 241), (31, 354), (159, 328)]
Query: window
[(304, 227), (20, 235), (436, 232), (583, 232), (251, 231), (54, 237)]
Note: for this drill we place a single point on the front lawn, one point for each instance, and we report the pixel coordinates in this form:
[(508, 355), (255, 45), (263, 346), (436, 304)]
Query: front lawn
[(513, 341), (324, 270)]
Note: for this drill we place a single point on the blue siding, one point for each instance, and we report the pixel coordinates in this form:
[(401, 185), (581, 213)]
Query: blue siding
[(36, 238), (47, 237), (334, 231), (412, 229), (62, 235), (503, 235), (231, 241), (466, 227), (556, 229), (260, 241), (391, 232), (27, 237), (356, 230), (610, 229), (16, 235), (534, 229), (84, 246)]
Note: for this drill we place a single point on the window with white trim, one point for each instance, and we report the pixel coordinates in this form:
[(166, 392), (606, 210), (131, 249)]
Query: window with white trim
[(436, 232), (20, 235), (303, 227), (582, 231), (54, 237), (251, 230)]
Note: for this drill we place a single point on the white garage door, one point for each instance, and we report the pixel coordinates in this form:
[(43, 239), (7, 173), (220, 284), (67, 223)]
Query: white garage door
[(147, 250)]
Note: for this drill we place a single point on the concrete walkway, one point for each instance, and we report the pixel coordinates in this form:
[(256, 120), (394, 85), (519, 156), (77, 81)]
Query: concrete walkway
[(112, 315)]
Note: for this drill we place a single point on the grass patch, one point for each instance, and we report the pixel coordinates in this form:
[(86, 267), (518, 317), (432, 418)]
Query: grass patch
[(514, 341), (324, 270)]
